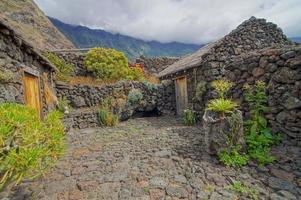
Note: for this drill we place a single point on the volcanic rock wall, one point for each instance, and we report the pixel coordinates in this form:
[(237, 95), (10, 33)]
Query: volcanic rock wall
[(156, 64), (85, 100)]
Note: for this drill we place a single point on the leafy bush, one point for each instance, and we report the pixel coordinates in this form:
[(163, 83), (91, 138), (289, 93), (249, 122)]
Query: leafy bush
[(109, 64), (106, 114), (258, 136), (135, 96), (6, 76), (63, 105), (65, 70), (244, 190), (222, 106), (189, 118), (222, 86), (150, 86), (135, 74), (28, 146), (107, 118), (233, 158)]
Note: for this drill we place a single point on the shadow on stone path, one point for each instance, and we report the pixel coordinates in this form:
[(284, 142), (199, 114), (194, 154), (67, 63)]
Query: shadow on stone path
[(152, 159)]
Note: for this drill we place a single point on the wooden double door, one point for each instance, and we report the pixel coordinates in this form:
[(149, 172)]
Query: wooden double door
[(181, 94), (32, 92)]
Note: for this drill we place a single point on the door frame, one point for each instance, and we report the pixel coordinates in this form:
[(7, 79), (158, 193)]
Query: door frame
[(35, 73), (178, 111)]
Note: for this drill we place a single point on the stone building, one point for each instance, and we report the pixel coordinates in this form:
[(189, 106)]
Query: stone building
[(255, 50), (26, 76)]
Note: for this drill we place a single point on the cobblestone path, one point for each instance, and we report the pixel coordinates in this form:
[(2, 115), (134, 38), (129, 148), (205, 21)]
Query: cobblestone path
[(153, 159)]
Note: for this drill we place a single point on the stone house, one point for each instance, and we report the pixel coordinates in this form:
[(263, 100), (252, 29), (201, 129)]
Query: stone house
[(192, 73), (26, 77), (256, 50)]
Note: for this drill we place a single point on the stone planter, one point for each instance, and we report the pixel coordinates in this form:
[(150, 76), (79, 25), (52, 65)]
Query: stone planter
[(220, 134)]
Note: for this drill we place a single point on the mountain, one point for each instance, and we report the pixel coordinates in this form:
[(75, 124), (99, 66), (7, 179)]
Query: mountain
[(30, 22), (296, 39), (84, 37)]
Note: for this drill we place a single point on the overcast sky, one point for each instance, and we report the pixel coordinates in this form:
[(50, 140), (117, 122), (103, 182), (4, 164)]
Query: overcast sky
[(189, 21)]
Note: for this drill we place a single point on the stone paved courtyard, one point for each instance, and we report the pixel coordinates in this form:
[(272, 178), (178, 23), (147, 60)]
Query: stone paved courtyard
[(156, 158)]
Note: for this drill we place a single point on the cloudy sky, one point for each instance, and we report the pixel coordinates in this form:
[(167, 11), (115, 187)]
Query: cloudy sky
[(189, 21)]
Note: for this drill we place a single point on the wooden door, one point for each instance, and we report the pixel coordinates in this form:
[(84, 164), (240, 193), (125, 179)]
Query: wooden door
[(181, 94), (32, 92)]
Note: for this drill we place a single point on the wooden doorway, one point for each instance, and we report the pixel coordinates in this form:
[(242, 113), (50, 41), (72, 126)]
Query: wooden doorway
[(32, 92), (181, 94)]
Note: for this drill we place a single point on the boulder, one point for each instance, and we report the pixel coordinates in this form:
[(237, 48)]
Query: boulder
[(218, 131)]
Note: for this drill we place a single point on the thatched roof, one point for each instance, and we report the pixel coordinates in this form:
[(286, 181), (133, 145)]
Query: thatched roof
[(190, 61), (26, 45)]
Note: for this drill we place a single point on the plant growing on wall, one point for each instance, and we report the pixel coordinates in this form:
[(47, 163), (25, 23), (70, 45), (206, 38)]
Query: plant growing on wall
[(135, 96), (227, 136), (65, 70), (221, 105), (109, 64), (150, 86), (28, 146), (63, 105), (188, 117), (258, 136)]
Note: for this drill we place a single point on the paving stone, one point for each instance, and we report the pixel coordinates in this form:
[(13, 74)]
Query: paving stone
[(159, 182), (176, 191), (150, 159)]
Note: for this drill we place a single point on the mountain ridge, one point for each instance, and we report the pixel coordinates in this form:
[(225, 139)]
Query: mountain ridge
[(84, 37), (29, 21)]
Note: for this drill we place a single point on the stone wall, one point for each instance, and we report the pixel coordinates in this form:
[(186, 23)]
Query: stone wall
[(156, 64), (280, 69), (76, 58), (151, 65), (16, 58), (85, 100)]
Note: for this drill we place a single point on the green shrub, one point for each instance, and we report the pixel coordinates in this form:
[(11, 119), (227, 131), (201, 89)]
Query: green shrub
[(6, 76), (150, 86), (109, 64), (28, 146), (189, 118), (222, 86), (244, 190), (63, 105), (106, 114), (259, 137), (107, 118), (65, 70), (135, 74), (233, 158), (135, 96), (222, 106)]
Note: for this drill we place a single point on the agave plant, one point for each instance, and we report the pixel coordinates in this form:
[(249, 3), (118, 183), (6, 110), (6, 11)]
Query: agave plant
[(222, 106)]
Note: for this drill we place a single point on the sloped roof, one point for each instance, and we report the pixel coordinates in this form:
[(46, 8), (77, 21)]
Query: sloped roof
[(27, 46), (190, 61), (250, 35)]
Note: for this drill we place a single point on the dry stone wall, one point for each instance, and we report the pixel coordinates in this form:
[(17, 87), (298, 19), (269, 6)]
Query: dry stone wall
[(156, 64), (76, 58), (85, 100), (280, 69)]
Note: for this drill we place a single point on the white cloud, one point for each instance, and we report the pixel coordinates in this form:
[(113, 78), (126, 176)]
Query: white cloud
[(190, 21)]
